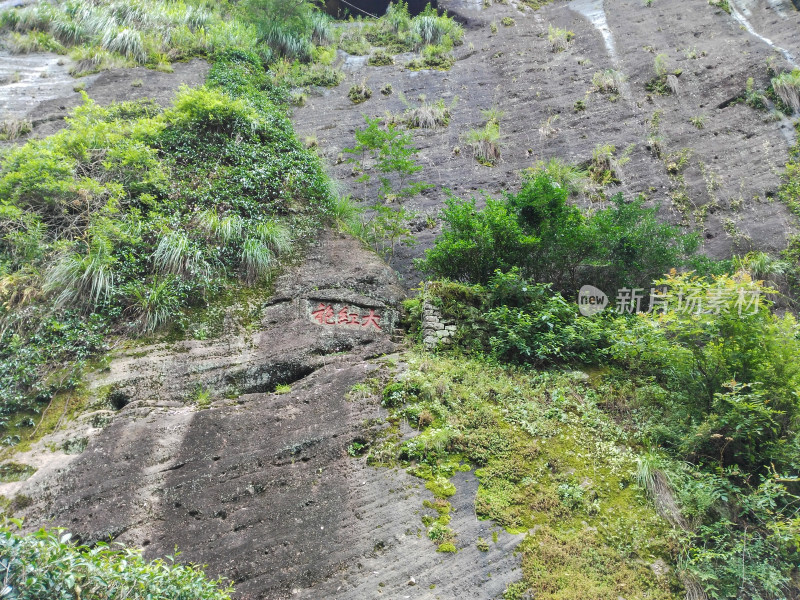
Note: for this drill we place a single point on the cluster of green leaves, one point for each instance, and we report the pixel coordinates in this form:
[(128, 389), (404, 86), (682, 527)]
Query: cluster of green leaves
[(518, 321), (553, 241), (389, 151), (46, 566), (133, 213)]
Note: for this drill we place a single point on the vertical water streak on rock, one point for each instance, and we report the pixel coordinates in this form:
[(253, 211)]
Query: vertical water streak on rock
[(595, 13), (737, 13)]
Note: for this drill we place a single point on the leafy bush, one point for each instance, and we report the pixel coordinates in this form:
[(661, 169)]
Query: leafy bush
[(427, 115), (46, 566), (359, 92), (475, 243), (550, 240), (529, 323), (393, 156)]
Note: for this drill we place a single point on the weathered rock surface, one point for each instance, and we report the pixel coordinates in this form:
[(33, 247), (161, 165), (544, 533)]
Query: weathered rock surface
[(260, 486), (735, 160)]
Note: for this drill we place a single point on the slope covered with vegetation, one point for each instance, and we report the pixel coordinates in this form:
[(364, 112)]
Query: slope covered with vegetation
[(698, 388), (644, 454)]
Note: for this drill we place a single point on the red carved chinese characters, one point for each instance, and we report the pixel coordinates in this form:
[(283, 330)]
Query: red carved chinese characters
[(326, 315), (371, 319)]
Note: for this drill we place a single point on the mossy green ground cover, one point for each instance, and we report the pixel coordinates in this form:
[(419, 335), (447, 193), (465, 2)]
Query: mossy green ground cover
[(549, 461)]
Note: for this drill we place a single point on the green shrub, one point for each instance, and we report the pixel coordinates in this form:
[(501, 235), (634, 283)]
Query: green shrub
[(531, 324), (46, 566), (473, 243), (380, 59), (359, 92), (550, 240)]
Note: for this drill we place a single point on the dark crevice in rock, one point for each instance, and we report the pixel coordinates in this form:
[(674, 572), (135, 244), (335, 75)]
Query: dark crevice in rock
[(266, 378)]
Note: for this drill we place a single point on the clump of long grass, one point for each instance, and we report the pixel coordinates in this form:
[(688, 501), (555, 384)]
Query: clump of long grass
[(760, 265), (787, 87), (672, 84), (559, 38), (29, 18), (79, 278), (346, 214), (33, 41), (286, 43), (152, 305), (176, 255), (651, 478), (321, 28), (430, 29), (256, 260), (274, 235), (485, 143), (69, 32), (127, 28), (226, 228), (91, 60), (608, 81), (13, 129), (427, 115), (196, 17), (127, 42), (567, 176)]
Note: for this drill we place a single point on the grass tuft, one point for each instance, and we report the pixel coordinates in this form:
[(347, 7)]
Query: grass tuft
[(787, 87)]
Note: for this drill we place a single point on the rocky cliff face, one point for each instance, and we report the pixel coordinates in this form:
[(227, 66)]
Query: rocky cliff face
[(259, 484), (727, 186)]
